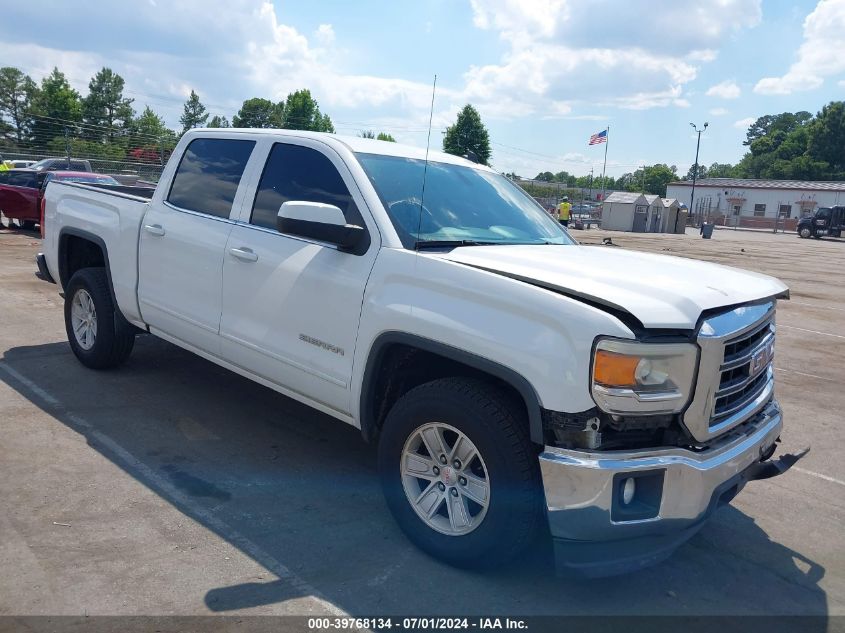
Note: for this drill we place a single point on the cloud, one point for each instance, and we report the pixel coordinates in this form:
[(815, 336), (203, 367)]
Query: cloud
[(718, 112), (744, 123), (324, 34), (239, 50), (724, 90), (554, 52), (819, 56)]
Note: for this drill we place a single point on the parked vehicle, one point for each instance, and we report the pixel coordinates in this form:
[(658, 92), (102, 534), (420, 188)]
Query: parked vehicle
[(62, 164), (21, 191), (509, 375), (825, 221), (22, 164)]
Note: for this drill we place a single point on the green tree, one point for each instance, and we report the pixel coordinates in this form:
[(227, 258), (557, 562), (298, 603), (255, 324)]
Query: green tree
[(302, 112), (775, 125), (468, 134), (56, 107), (260, 113), (826, 137), (381, 136), (193, 114), (722, 170), (701, 173), (219, 121), (150, 125), (652, 179), (545, 176), (17, 92), (105, 106)]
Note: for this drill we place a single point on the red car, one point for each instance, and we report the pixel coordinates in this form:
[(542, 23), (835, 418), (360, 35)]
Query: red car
[(21, 191)]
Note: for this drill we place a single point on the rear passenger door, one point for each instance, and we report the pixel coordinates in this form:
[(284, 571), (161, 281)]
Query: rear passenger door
[(291, 305), (182, 241), (19, 195)]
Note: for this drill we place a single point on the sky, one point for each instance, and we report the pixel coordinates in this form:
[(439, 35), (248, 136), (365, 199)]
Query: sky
[(544, 74)]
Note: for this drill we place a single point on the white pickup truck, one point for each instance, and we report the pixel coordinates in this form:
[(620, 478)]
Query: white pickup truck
[(512, 378)]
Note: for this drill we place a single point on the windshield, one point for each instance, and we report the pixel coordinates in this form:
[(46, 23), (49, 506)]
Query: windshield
[(462, 204)]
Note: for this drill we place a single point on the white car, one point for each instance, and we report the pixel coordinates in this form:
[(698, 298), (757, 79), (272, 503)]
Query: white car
[(509, 375)]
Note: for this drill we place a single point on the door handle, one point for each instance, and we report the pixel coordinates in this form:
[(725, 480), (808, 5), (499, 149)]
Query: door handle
[(154, 229), (244, 254)]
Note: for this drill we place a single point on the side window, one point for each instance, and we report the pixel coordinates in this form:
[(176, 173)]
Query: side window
[(294, 172), (208, 175), (22, 179)]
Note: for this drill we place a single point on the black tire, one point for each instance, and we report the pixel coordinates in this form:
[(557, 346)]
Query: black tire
[(804, 233), (28, 225), (115, 336), (499, 430)]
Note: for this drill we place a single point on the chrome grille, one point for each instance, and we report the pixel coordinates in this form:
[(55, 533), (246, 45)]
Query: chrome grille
[(735, 375), (745, 371)]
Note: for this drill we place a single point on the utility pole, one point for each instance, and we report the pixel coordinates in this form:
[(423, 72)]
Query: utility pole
[(642, 180), (67, 146), (695, 169), (591, 184)]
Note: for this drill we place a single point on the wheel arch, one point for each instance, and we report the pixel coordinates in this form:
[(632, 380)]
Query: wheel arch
[(82, 249), (379, 388)]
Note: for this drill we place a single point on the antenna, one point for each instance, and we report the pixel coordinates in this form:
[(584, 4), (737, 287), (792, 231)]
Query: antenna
[(425, 168)]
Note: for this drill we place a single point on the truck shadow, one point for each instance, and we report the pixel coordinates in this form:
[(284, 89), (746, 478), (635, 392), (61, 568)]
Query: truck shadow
[(297, 491)]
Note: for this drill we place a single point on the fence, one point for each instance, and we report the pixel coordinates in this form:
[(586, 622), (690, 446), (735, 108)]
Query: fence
[(126, 152), (127, 169), (761, 223)]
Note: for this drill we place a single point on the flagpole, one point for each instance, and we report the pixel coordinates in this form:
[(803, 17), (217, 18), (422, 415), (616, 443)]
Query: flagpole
[(604, 168)]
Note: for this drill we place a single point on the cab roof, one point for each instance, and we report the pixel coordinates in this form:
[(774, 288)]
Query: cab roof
[(355, 144)]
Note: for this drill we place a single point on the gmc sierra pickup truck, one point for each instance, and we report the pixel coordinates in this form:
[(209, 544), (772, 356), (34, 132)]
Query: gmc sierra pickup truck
[(516, 382)]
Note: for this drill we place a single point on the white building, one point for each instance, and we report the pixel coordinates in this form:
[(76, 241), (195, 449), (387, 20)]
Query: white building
[(757, 203), (642, 213)]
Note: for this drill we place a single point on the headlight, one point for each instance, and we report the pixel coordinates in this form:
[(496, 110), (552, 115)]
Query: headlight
[(642, 378)]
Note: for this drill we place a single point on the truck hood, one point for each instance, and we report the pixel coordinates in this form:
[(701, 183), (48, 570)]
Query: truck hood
[(660, 291)]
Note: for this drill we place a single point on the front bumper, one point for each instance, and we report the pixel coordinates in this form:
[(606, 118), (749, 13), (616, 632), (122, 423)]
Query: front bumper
[(677, 489)]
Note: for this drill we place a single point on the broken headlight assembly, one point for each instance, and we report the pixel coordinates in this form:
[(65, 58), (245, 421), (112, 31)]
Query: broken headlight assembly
[(633, 378)]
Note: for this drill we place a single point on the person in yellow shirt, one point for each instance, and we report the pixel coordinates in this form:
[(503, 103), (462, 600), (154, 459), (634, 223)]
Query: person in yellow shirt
[(5, 165), (564, 211)]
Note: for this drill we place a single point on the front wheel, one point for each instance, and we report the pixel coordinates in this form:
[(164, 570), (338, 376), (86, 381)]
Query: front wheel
[(459, 472), (805, 232), (99, 335)]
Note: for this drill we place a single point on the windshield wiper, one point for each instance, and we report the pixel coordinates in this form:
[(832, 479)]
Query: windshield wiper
[(423, 244)]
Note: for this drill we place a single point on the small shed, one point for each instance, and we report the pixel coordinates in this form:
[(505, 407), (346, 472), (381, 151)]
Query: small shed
[(674, 216), (619, 208), (637, 212)]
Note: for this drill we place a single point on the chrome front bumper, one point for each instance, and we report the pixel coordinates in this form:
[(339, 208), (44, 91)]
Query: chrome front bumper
[(584, 489)]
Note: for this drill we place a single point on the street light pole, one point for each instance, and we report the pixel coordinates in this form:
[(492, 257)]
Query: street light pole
[(695, 169)]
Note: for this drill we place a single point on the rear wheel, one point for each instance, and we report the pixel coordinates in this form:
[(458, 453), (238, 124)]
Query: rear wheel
[(459, 472), (99, 335)]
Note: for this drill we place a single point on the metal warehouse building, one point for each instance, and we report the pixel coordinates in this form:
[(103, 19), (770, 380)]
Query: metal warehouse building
[(763, 204)]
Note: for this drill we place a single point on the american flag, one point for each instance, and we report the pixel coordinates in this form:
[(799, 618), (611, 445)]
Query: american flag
[(598, 139)]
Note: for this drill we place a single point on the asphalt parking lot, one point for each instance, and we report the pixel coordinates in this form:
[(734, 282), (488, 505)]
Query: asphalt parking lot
[(172, 486)]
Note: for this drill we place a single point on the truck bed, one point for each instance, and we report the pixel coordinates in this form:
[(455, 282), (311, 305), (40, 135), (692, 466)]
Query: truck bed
[(109, 214)]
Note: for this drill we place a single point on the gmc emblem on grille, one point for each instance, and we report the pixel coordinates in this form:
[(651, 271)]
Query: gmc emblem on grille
[(761, 359)]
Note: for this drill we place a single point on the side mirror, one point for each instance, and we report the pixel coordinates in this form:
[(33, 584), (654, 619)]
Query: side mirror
[(318, 221)]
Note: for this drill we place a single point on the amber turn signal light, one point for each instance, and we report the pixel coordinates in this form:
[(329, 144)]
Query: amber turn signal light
[(615, 370)]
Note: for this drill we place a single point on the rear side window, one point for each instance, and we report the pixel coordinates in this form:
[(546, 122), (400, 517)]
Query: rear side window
[(294, 172), (208, 175), (23, 179)]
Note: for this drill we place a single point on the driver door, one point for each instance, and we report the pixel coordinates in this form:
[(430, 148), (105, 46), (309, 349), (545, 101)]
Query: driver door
[(291, 305)]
